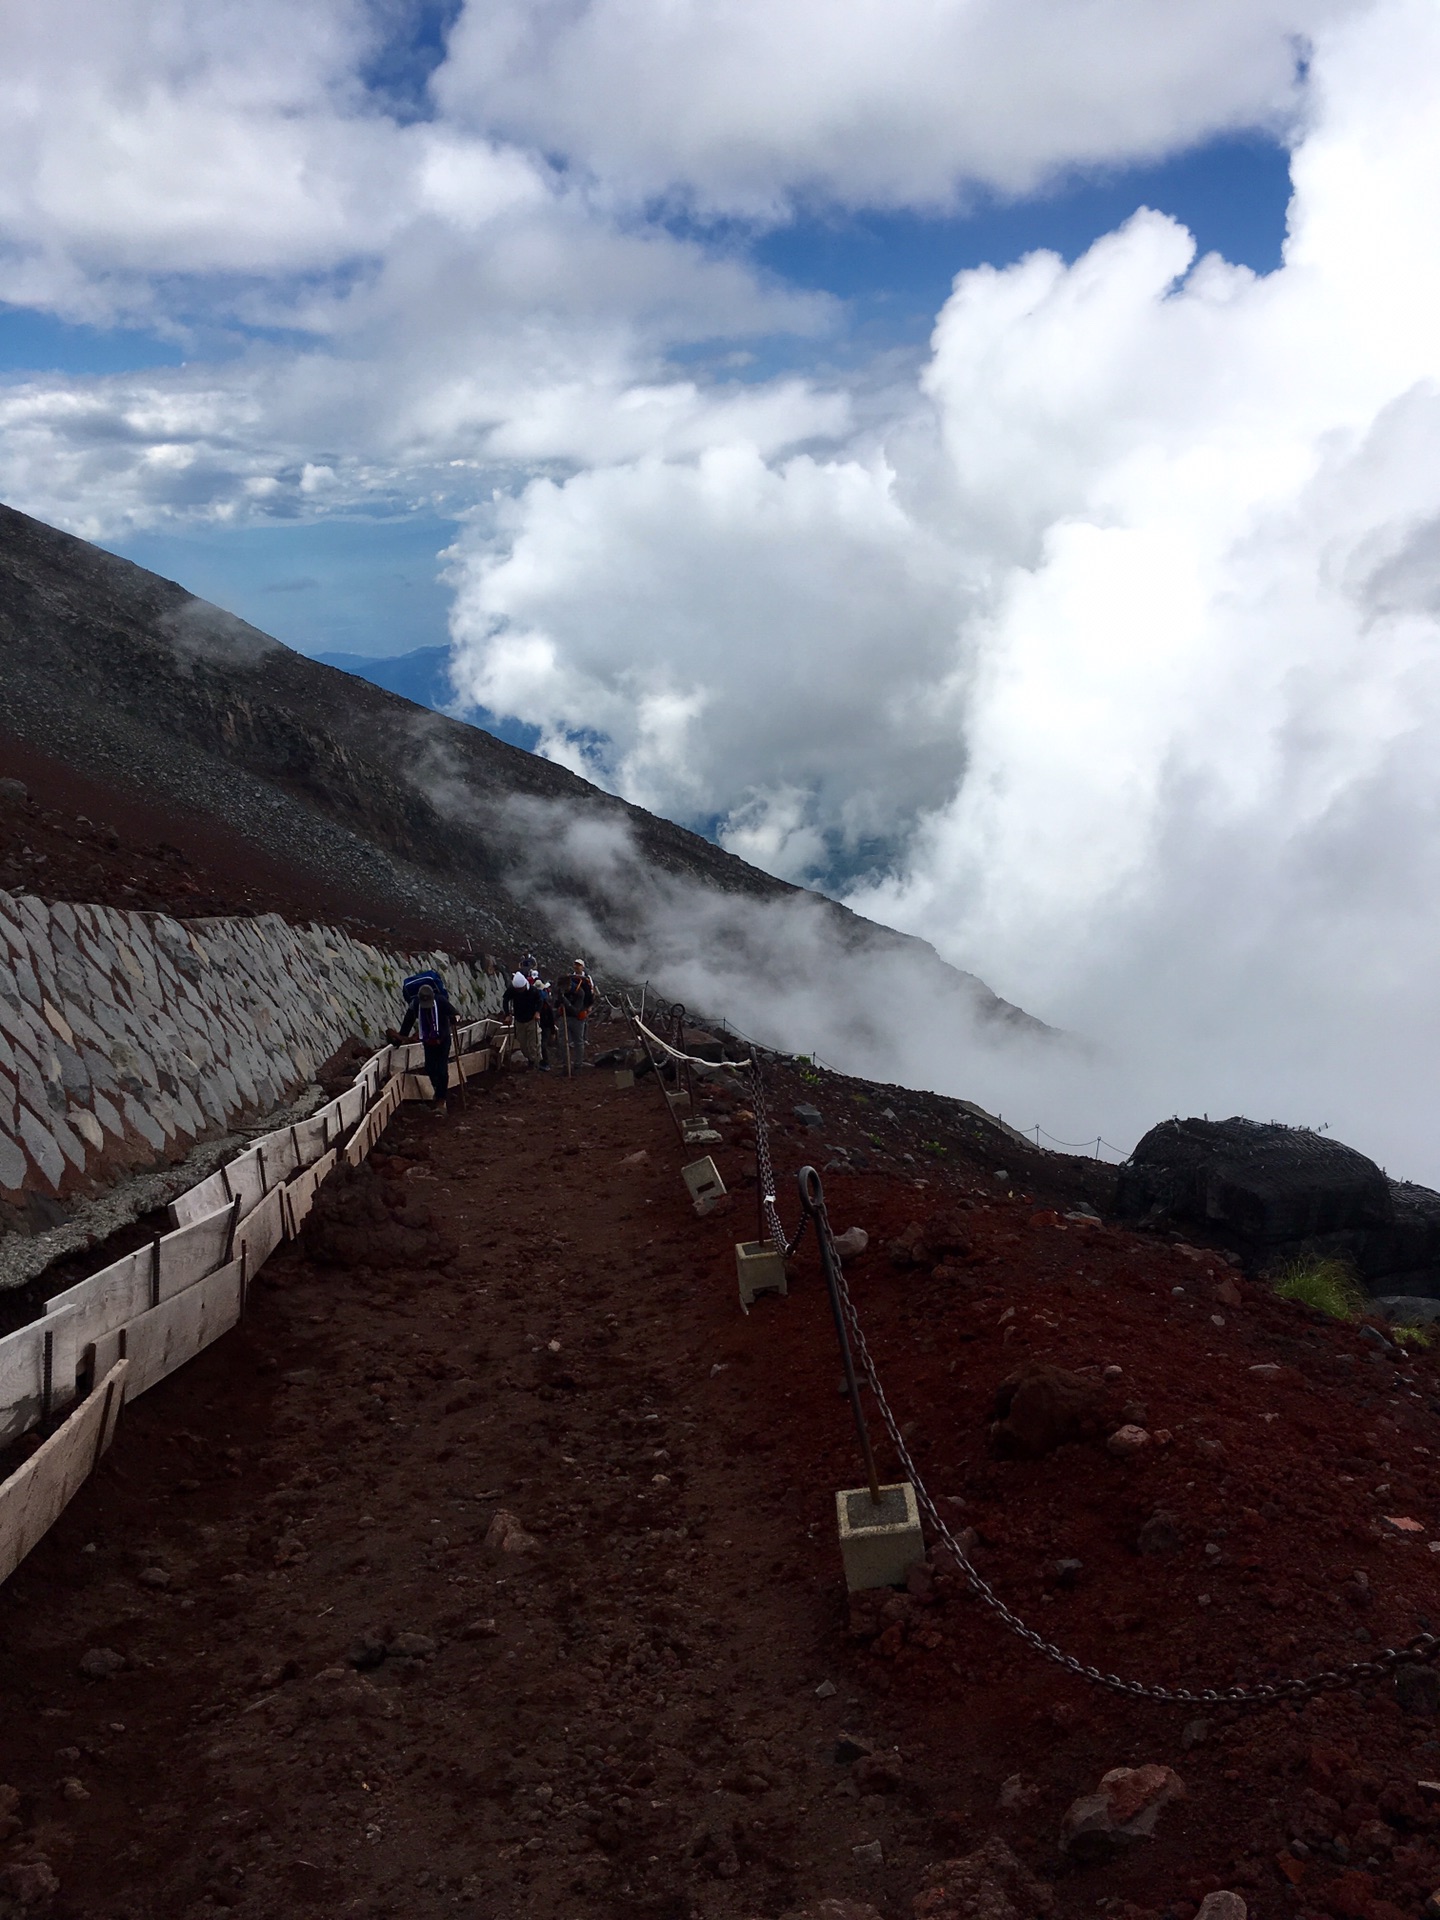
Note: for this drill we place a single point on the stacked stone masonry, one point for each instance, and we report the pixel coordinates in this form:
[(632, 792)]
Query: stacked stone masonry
[(126, 1037)]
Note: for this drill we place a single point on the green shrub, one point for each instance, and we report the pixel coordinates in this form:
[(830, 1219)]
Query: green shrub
[(1417, 1337), (1328, 1284)]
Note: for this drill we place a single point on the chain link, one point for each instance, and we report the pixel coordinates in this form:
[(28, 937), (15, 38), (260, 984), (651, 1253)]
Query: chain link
[(765, 1171), (1423, 1649)]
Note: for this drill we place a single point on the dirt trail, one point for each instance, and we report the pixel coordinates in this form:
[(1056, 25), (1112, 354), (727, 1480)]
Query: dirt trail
[(345, 1692), (638, 1726)]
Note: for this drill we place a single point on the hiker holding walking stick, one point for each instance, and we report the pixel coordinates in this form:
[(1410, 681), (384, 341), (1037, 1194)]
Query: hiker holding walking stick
[(547, 1019), (429, 1012), (577, 996)]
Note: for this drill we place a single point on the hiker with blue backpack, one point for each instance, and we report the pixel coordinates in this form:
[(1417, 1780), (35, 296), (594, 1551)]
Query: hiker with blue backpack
[(429, 1012)]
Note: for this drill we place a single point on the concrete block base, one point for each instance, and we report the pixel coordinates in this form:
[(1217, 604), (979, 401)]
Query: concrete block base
[(697, 1134), (703, 1183), (879, 1545), (760, 1269), (679, 1101), (624, 1077)]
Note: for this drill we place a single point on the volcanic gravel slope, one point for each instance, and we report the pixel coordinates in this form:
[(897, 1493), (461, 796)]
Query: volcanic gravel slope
[(342, 1694), (402, 814)]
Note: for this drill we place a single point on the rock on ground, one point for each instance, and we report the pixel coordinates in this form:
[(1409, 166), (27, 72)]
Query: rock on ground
[(1125, 1807)]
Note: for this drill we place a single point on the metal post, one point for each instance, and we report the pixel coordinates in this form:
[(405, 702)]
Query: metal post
[(230, 1231), (642, 1037), (812, 1198), (762, 1225), (682, 1067)]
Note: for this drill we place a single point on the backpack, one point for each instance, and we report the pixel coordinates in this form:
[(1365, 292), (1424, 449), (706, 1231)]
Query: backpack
[(430, 1024)]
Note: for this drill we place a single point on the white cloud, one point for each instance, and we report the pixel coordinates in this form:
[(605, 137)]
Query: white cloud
[(1115, 633), (1126, 637), (740, 632), (748, 107)]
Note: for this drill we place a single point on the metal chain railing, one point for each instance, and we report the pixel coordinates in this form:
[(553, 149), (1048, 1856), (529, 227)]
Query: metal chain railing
[(765, 1170), (1423, 1649)]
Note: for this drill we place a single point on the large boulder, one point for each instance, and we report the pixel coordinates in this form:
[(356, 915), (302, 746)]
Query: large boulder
[(1042, 1407), (1258, 1182)]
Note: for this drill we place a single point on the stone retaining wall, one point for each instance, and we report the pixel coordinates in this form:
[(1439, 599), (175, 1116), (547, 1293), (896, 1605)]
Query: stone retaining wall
[(125, 1037)]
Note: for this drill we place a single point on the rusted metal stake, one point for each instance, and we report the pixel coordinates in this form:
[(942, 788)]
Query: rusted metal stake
[(812, 1198), (643, 1038), (762, 1225)]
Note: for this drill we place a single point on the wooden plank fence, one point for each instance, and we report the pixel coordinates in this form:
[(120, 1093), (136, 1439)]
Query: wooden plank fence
[(36, 1494), (169, 1335), (131, 1324), (37, 1372)]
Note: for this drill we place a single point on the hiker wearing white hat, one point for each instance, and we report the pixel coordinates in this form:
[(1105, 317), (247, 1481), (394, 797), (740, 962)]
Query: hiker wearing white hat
[(521, 1006)]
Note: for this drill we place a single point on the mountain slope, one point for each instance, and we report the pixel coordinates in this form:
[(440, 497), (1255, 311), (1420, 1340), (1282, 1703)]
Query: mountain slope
[(423, 675), (127, 678)]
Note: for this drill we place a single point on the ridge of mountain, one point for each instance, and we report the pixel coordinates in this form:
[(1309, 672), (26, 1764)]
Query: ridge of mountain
[(132, 681)]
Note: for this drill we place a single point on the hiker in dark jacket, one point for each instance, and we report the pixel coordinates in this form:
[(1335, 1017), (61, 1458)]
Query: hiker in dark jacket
[(577, 996), (429, 1012), (521, 1006)]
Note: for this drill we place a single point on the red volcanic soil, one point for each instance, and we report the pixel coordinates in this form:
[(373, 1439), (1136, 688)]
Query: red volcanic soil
[(75, 838), (342, 1693)]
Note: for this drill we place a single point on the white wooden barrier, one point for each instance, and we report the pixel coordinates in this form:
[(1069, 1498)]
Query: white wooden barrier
[(244, 1181), (260, 1232), (37, 1372), (138, 1281), (197, 1201), (37, 1493), (153, 1310), (300, 1193), (169, 1335), (277, 1154), (107, 1302), (373, 1125)]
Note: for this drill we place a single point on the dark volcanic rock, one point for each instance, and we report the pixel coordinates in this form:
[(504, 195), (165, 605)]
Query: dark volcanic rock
[(1264, 1183), (1276, 1192)]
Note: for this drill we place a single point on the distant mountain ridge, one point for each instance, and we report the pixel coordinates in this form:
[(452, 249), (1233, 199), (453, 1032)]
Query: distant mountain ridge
[(124, 675)]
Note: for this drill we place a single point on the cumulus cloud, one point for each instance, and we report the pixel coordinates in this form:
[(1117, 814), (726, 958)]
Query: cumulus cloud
[(747, 108), (1102, 652), (741, 633), (1129, 660)]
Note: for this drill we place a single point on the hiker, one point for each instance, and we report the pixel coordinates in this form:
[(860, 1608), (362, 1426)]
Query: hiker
[(577, 996), (429, 1012), (547, 1020), (521, 1007)]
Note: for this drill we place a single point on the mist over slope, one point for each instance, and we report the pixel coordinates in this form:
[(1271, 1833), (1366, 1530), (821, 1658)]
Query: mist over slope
[(419, 819)]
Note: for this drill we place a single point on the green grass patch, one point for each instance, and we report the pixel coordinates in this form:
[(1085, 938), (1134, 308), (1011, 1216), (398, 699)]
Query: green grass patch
[(1327, 1284), (1416, 1338)]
